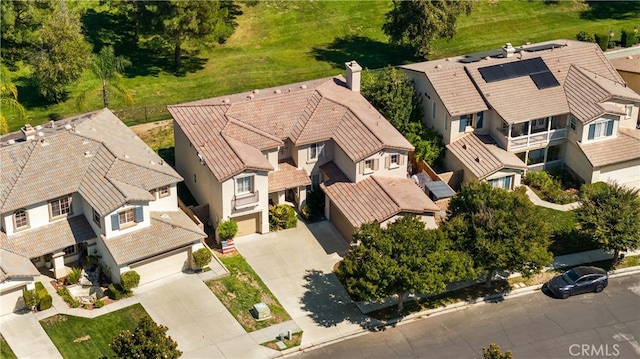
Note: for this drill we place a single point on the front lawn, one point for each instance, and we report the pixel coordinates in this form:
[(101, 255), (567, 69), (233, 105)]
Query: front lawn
[(77, 337), (241, 290), (5, 350), (565, 237)]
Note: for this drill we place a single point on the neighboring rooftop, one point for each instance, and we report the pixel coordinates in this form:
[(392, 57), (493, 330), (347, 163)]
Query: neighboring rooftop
[(629, 63), (13, 266)]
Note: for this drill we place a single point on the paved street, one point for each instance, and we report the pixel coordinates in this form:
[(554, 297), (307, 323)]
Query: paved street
[(532, 326)]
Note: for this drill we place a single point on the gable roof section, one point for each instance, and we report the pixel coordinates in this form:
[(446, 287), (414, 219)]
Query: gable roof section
[(482, 156), (229, 132), (13, 266), (625, 147), (287, 176)]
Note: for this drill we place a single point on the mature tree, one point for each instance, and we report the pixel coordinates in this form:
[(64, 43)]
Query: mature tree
[(494, 352), (610, 213), (61, 56), (148, 340), (419, 22), (401, 259), (501, 230), (8, 99), (106, 66), (391, 92), (179, 22), (19, 24)]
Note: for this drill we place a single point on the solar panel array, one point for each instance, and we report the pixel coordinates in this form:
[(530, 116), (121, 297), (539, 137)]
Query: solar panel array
[(535, 68)]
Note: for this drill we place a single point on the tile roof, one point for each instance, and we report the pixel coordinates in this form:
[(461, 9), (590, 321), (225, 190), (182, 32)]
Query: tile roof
[(627, 63), (168, 231), (375, 198), (625, 147), (13, 266), (287, 176), (97, 156), (482, 156), (50, 238), (461, 85), (230, 131)]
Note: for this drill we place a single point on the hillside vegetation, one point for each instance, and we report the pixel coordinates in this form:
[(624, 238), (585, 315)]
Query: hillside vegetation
[(281, 42)]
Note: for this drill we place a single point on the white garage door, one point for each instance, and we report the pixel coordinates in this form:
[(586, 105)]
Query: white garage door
[(161, 266), (10, 300), (626, 176)]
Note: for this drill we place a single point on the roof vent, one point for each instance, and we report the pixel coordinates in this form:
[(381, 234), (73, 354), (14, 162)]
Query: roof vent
[(303, 87), (250, 96), (201, 159), (11, 142), (277, 91), (165, 216), (40, 134), (151, 162), (126, 155), (87, 153), (38, 128), (67, 126), (52, 124), (508, 50), (478, 159), (438, 66), (464, 146), (630, 57), (28, 132), (226, 100), (256, 91)]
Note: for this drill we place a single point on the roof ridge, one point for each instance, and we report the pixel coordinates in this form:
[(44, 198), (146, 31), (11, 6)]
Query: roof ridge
[(235, 121), (374, 178), (316, 95), (163, 220), (30, 149)]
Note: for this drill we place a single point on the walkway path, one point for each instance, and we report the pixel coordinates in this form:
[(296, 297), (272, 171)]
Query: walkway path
[(558, 207), (25, 336)]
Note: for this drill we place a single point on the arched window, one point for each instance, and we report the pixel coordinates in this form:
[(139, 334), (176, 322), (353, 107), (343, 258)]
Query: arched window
[(20, 219)]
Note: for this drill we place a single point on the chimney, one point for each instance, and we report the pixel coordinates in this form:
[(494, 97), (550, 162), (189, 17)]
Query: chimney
[(353, 75), (508, 50), (28, 132)]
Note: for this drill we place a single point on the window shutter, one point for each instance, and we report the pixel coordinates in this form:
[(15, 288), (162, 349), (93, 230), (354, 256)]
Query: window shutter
[(361, 169), (115, 222), (387, 161), (480, 118), (592, 131), (400, 160), (610, 128), (138, 215), (376, 163), (463, 124)]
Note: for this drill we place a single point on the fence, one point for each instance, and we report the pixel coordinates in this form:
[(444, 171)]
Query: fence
[(142, 114)]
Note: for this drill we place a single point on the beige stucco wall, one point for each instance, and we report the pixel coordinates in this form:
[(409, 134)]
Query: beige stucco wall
[(345, 164), (301, 156), (625, 173), (108, 230), (632, 79), (399, 171), (429, 97), (575, 159)]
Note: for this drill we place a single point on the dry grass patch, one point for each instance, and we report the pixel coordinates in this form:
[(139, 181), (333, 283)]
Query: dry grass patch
[(296, 339)]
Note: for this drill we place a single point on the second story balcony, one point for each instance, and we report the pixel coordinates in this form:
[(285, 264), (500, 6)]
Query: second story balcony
[(245, 200), (534, 132)]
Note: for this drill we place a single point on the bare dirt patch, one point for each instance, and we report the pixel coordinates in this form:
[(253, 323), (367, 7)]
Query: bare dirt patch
[(82, 339)]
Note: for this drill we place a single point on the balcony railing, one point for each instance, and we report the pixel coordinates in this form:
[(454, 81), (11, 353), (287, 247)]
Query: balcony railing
[(245, 200), (537, 138)]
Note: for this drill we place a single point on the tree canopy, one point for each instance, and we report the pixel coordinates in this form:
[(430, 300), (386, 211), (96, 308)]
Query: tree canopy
[(391, 93), (501, 230), (419, 22), (494, 352), (106, 66), (8, 98), (402, 258), (148, 340), (610, 213)]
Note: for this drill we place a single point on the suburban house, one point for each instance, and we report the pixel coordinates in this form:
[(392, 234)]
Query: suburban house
[(538, 106), (82, 186), (242, 153), (629, 69)]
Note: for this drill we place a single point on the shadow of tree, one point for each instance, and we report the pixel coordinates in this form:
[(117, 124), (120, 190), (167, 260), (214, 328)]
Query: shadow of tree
[(328, 303), (369, 53), (618, 10)]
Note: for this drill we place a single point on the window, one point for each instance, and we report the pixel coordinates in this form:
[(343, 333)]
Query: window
[(96, 217), (502, 182), (244, 185), (316, 151), (393, 159), (20, 219), (600, 129), (164, 191), (368, 166), (627, 111), (465, 120), (60, 207), (539, 124), (480, 117), (127, 218), (573, 123), (70, 250)]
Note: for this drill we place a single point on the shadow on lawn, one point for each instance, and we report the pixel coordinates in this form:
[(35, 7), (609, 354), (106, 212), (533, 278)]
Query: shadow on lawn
[(617, 10), (367, 52), (328, 302)]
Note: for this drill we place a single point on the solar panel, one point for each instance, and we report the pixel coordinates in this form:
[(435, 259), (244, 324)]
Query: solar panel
[(544, 80), (512, 70)]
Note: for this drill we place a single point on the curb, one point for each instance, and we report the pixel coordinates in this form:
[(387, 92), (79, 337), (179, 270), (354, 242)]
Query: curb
[(494, 298)]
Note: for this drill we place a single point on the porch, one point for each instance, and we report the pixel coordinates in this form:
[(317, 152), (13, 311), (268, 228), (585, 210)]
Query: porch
[(288, 184), (533, 132)]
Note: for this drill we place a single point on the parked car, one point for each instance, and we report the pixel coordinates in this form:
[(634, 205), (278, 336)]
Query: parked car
[(578, 280)]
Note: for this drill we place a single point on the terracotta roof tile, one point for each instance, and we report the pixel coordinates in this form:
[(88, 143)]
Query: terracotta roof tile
[(625, 147), (287, 176), (482, 156), (627, 63), (13, 266)]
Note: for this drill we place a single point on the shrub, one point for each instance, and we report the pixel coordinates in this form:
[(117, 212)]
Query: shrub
[(98, 303), (227, 230), (282, 216), (62, 291), (40, 289), (116, 291), (603, 41), (45, 303), (202, 257), (74, 303), (550, 188), (129, 280), (74, 276), (148, 340), (627, 38), (585, 36), (538, 179), (30, 298), (313, 208)]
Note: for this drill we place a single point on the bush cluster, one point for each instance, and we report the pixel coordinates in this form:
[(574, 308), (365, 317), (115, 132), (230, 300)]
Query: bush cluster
[(282, 216), (549, 187), (129, 280), (116, 291), (202, 257), (227, 230), (39, 297), (98, 303), (74, 276), (627, 39)]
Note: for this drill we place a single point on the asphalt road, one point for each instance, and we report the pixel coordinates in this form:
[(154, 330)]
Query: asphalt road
[(604, 325)]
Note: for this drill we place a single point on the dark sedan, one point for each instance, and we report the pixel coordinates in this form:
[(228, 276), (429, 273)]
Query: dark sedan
[(578, 280)]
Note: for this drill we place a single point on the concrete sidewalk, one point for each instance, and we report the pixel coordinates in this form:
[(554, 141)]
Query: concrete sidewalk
[(558, 207), (25, 336)]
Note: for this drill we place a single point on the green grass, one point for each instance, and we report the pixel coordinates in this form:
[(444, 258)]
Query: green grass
[(77, 337), (296, 339), (565, 238), (5, 350), (241, 290), (281, 42)]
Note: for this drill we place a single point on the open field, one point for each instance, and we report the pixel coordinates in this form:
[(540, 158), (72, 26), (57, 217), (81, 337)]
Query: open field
[(281, 42)]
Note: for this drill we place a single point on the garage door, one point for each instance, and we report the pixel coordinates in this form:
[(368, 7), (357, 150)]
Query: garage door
[(247, 224), (10, 300), (340, 222), (161, 266), (625, 176)]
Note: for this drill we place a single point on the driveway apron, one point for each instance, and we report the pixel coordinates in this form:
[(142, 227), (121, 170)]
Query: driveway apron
[(25, 336)]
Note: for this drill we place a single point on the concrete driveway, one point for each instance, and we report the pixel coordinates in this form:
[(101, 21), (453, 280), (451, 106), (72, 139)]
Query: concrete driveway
[(25, 336), (196, 319), (296, 264)]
